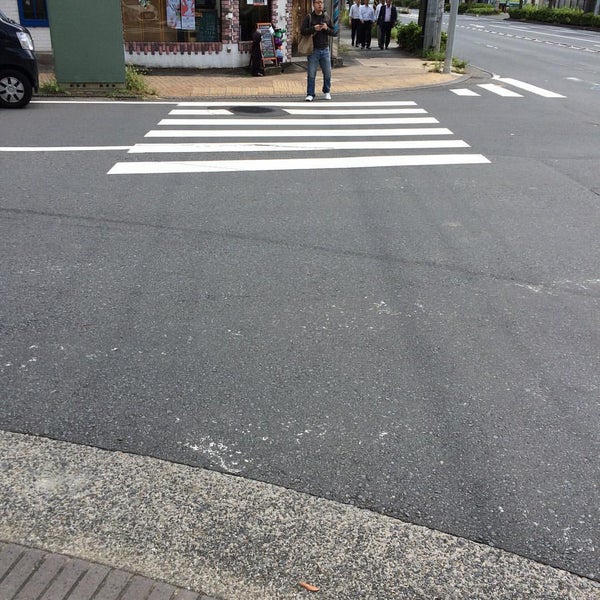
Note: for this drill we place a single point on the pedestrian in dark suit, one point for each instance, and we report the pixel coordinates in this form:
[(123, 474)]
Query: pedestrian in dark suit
[(388, 15)]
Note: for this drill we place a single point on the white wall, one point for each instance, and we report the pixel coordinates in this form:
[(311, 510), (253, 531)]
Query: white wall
[(40, 35), (222, 60)]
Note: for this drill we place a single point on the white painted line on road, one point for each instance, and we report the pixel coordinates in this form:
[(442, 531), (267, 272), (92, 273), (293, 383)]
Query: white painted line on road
[(313, 111), (61, 148), (287, 122), (464, 92), (120, 102), (207, 112), (530, 88), (294, 164), (498, 89), (358, 111), (237, 133), (296, 146), (301, 103)]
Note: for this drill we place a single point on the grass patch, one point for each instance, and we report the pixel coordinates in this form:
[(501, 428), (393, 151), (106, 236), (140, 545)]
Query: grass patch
[(135, 83), (51, 87)]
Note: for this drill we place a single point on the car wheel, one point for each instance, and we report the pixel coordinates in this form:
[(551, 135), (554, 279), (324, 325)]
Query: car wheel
[(15, 89)]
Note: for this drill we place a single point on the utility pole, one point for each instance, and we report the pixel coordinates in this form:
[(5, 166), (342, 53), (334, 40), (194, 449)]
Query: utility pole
[(451, 31), (432, 32)]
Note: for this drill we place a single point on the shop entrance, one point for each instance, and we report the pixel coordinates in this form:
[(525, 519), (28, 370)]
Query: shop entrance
[(300, 8)]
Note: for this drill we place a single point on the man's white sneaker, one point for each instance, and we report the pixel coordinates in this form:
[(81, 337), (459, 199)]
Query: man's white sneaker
[(327, 96), (309, 98)]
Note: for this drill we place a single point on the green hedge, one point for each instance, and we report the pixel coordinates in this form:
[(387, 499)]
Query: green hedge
[(476, 8), (560, 16), (482, 9)]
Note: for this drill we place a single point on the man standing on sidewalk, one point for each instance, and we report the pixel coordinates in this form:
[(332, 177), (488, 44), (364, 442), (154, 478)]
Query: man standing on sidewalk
[(367, 16), (319, 25), (354, 16), (380, 4), (388, 15)]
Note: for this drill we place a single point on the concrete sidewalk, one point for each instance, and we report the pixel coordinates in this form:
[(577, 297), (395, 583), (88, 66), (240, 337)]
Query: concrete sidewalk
[(363, 71), (139, 528)]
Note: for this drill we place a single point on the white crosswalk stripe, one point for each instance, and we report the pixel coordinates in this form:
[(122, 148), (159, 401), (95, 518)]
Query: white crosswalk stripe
[(303, 122), (464, 92), (501, 89), (295, 133), (295, 146), (534, 89), (336, 136)]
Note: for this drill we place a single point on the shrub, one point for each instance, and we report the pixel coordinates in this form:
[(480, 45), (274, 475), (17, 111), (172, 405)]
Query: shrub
[(410, 37), (485, 9)]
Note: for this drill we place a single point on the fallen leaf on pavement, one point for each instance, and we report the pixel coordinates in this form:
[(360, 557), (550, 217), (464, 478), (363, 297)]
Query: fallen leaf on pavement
[(307, 586)]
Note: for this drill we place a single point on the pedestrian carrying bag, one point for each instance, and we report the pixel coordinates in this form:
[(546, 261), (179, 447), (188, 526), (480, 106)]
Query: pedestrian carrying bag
[(305, 45)]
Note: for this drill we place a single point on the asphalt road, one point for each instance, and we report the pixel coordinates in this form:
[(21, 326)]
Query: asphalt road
[(419, 341)]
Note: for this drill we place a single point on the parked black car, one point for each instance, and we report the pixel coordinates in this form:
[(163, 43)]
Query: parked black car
[(18, 64)]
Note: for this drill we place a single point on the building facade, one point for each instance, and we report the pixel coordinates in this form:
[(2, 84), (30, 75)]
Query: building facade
[(197, 34)]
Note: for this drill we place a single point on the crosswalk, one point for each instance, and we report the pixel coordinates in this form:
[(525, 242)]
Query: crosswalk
[(500, 89), (295, 136)]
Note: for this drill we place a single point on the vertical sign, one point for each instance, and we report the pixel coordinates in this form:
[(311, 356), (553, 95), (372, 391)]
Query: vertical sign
[(181, 14)]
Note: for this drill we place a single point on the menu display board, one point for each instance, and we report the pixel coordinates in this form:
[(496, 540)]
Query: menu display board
[(267, 44)]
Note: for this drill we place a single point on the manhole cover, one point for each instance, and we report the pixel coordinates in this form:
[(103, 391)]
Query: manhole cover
[(251, 109)]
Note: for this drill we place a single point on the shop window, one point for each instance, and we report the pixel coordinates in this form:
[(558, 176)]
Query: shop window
[(33, 13), (251, 13), (171, 20)]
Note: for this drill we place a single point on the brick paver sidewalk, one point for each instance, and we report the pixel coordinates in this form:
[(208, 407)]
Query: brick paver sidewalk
[(28, 574)]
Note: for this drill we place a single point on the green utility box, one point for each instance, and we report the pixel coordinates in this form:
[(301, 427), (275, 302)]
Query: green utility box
[(87, 41)]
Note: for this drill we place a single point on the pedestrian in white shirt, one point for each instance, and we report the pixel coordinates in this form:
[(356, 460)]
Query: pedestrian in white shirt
[(354, 16), (379, 32), (367, 16)]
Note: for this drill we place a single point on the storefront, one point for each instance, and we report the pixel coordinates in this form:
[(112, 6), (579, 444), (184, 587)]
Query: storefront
[(197, 33)]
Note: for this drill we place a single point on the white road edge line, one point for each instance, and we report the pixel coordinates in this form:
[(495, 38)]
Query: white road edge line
[(121, 102), (61, 148)]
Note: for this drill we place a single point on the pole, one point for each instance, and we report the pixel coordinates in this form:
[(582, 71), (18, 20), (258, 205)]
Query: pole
[(451, 30), (335, 41)]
